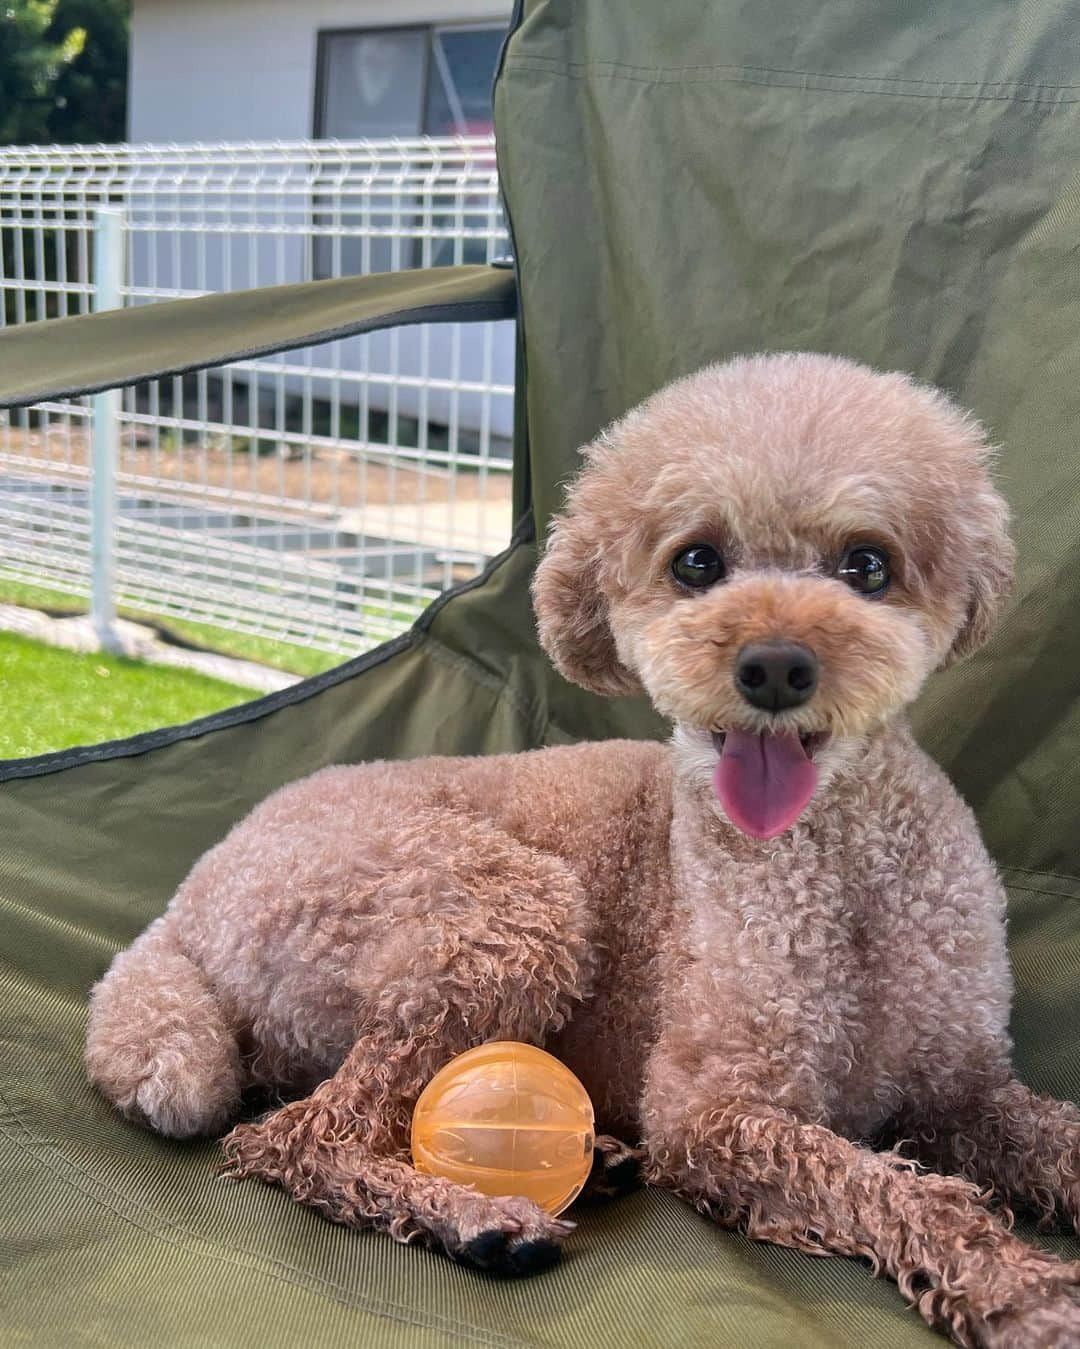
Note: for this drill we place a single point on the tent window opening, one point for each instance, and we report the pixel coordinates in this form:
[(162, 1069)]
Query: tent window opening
[(405, 82)]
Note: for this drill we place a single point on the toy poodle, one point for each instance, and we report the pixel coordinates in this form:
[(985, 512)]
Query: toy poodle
[(764, 947)]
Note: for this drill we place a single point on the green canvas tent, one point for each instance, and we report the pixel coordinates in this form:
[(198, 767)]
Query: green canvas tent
[(899, 183)]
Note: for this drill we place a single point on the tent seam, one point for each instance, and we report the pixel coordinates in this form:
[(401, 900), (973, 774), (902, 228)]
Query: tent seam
[(1053, 875), (554, 61), (1034, 890), (785, 79)]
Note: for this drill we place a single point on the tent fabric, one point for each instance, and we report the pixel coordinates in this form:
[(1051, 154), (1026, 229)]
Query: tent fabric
[(58, 358), (896, 183)]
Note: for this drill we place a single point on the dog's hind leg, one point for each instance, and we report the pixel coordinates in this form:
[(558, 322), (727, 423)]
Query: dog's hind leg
[(505, 959), (159, 1044), (616, 1169)]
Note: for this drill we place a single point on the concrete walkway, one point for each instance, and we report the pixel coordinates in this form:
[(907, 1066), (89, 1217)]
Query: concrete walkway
[(141, 643)]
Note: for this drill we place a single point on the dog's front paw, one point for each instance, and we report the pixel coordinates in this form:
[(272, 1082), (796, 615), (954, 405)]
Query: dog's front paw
[(516, 1237), (1054, 1324), (1047, 1318)]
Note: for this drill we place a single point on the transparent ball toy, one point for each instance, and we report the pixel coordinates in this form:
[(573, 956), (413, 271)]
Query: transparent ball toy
[(506, 1118)]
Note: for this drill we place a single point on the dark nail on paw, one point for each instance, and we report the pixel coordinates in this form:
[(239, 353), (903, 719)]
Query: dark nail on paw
[(532, 1257)]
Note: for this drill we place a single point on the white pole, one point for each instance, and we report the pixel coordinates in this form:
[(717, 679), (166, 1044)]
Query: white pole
[(108, 280)]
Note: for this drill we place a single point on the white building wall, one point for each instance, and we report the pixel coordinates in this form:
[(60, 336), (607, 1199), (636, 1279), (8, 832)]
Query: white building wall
[(210, 70), (244, 70)]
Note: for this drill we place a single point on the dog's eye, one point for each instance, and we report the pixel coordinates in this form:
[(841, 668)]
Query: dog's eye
[(865, 570), (698, 566)]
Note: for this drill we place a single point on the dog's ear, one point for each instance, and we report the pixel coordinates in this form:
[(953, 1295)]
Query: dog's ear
[(571, 607), (991, 558)]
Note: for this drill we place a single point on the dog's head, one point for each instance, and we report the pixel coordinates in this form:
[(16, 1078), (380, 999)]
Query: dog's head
[(779, 551)]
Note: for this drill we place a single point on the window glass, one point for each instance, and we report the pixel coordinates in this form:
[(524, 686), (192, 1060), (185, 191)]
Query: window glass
[(460, 74), (373, 83)]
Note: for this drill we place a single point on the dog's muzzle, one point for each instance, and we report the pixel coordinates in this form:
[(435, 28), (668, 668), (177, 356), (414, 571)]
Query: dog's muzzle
[(775, 676)]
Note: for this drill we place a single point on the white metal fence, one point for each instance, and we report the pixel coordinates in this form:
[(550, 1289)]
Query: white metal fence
[(321, 497)]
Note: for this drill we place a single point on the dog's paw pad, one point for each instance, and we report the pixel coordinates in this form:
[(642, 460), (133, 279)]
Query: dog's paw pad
[(525, 1258), (500, 1253), (486, 1251)]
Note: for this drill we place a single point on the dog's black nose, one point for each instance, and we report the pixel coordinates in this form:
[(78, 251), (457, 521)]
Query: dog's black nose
[(776, 675)]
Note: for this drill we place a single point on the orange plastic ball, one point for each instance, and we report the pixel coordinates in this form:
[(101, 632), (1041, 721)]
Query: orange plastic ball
[(508, 1119)]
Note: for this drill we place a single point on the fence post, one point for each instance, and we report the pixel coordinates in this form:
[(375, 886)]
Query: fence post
[(108, 280)]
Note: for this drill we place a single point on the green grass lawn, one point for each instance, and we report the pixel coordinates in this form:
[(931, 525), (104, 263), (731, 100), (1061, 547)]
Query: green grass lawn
[(263, 650), (51, 699)]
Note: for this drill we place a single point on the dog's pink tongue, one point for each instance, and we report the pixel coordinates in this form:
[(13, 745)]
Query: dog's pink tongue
[(764, 781)]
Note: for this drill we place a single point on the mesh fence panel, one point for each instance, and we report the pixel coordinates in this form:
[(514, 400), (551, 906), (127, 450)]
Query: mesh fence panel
[(321, 497)]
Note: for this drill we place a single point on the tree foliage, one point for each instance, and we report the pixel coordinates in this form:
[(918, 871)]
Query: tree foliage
[(63, 71)]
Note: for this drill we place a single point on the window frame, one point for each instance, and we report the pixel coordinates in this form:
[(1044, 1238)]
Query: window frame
[(324, 36)]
